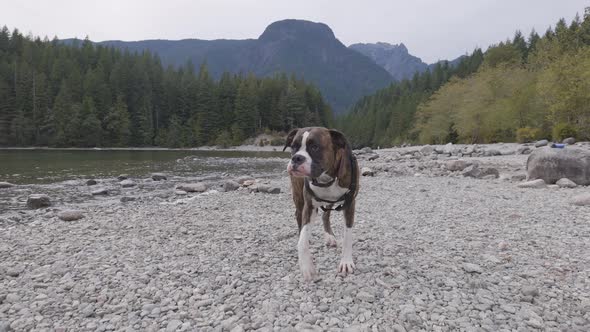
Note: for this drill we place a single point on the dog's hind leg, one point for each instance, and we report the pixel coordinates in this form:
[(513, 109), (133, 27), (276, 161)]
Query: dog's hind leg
[(328, 233)]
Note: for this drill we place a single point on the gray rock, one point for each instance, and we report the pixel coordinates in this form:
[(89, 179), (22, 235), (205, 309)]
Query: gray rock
[(230, 185), (274, 190), (5, 327), (100, 191), (427, 150), (566, 183), (123, 177), (366, 171), (12, 298), (4, 185), (70, 215), (193, 187), (365, 296), (541, 143), (518, 177), (492, 152), (448, 148), (15, 271), (523, 149), (180, 192), (373, 157), (173, 325), (472, 268), (569, 140), (243, 179), (126, 199), (91, 182), (127, 183), (159, 177), (535, 184), (456, 165), (263, 188), (477, 172), (552, 164), (581, 200), (37, 201), (366, 150), (530, 291)]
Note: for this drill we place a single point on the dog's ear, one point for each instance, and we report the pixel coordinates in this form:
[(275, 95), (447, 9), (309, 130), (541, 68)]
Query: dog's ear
[(290, 138), (343, 153), (338, 139)]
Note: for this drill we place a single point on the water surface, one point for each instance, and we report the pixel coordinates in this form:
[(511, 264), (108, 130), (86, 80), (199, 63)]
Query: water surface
[(30, 166)]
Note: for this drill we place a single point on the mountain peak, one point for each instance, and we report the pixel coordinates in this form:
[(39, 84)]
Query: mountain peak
[(296, 29)]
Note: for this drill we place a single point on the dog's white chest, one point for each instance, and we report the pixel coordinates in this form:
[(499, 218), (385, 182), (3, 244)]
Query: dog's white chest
[(331, 193)]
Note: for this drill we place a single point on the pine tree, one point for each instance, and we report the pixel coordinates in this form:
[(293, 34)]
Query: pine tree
[(90, 127)]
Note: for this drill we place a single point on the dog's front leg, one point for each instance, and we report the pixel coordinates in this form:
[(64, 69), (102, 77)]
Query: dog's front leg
[(347, 263), (305, 259)]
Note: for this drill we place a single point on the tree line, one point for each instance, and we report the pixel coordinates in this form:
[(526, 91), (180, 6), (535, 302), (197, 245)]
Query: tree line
[(86, 95), (522, 89), (525, 90), (387, 117)]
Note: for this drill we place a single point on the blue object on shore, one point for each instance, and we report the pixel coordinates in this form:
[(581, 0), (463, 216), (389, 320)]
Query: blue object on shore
[(558, 145)]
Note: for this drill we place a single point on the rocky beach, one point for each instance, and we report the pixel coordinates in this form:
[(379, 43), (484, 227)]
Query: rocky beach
[(447, 238)]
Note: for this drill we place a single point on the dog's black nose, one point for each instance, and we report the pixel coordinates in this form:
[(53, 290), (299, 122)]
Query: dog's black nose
[(298, 159)]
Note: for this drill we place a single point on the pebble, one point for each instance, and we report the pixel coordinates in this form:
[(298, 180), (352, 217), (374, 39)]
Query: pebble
[(100, 191), (535, 184), (37, 201), (192, 187), (127, 183), (472, 268), (566, 183), (70, 215), (5, 185), (159, 176), (581, 200)]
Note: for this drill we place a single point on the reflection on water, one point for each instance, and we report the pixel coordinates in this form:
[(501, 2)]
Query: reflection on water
[(46, 166)]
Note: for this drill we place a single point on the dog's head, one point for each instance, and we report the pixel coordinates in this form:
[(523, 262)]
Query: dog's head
[(316, 150)]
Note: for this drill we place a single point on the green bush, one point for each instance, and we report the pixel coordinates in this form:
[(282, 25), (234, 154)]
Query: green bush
[(528, 134), (563, 130), (224, 139)]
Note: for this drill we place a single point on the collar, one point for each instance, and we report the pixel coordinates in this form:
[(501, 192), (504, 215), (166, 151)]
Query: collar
[(347, 197)]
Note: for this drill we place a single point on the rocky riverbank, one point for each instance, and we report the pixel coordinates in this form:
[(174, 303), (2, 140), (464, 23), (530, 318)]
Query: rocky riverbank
[(445, 240)]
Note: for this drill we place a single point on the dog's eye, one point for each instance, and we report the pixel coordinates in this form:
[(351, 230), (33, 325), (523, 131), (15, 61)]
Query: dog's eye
[(314, 147)]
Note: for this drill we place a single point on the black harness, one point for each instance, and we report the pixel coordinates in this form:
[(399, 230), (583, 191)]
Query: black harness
[(346, 198)]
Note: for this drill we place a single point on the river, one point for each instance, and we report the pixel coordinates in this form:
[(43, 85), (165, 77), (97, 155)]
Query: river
[(39, 166)]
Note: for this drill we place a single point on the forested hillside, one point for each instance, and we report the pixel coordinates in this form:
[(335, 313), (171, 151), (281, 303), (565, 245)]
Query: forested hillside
[(525, 90), (84, 95), (307, 49), (521, 89), (387, 117)]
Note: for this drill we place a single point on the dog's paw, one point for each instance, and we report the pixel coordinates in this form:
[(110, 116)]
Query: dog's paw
[(308, 271), (330, 240), (346, 266)]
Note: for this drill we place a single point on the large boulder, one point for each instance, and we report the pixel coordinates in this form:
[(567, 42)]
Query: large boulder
[(541, 143), (553, 164), (4, 185)]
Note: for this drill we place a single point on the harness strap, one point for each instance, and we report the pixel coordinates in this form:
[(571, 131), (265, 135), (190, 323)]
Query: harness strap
[(347, 197)]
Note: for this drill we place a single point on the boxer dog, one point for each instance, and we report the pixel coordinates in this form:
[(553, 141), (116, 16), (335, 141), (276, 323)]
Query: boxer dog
[(324, 173)]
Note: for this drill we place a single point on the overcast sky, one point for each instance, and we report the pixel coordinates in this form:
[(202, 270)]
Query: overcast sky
[(431, 29)]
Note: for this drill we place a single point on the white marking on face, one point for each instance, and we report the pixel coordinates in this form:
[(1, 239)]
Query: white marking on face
[(346, 263), (305, 168), (305, 260)]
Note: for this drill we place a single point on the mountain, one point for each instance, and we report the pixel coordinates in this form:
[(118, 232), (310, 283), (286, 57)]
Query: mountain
[(396, 59), (306, 49)]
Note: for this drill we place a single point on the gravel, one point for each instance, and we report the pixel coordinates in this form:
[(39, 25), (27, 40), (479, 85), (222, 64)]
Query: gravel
[(434, 251)]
